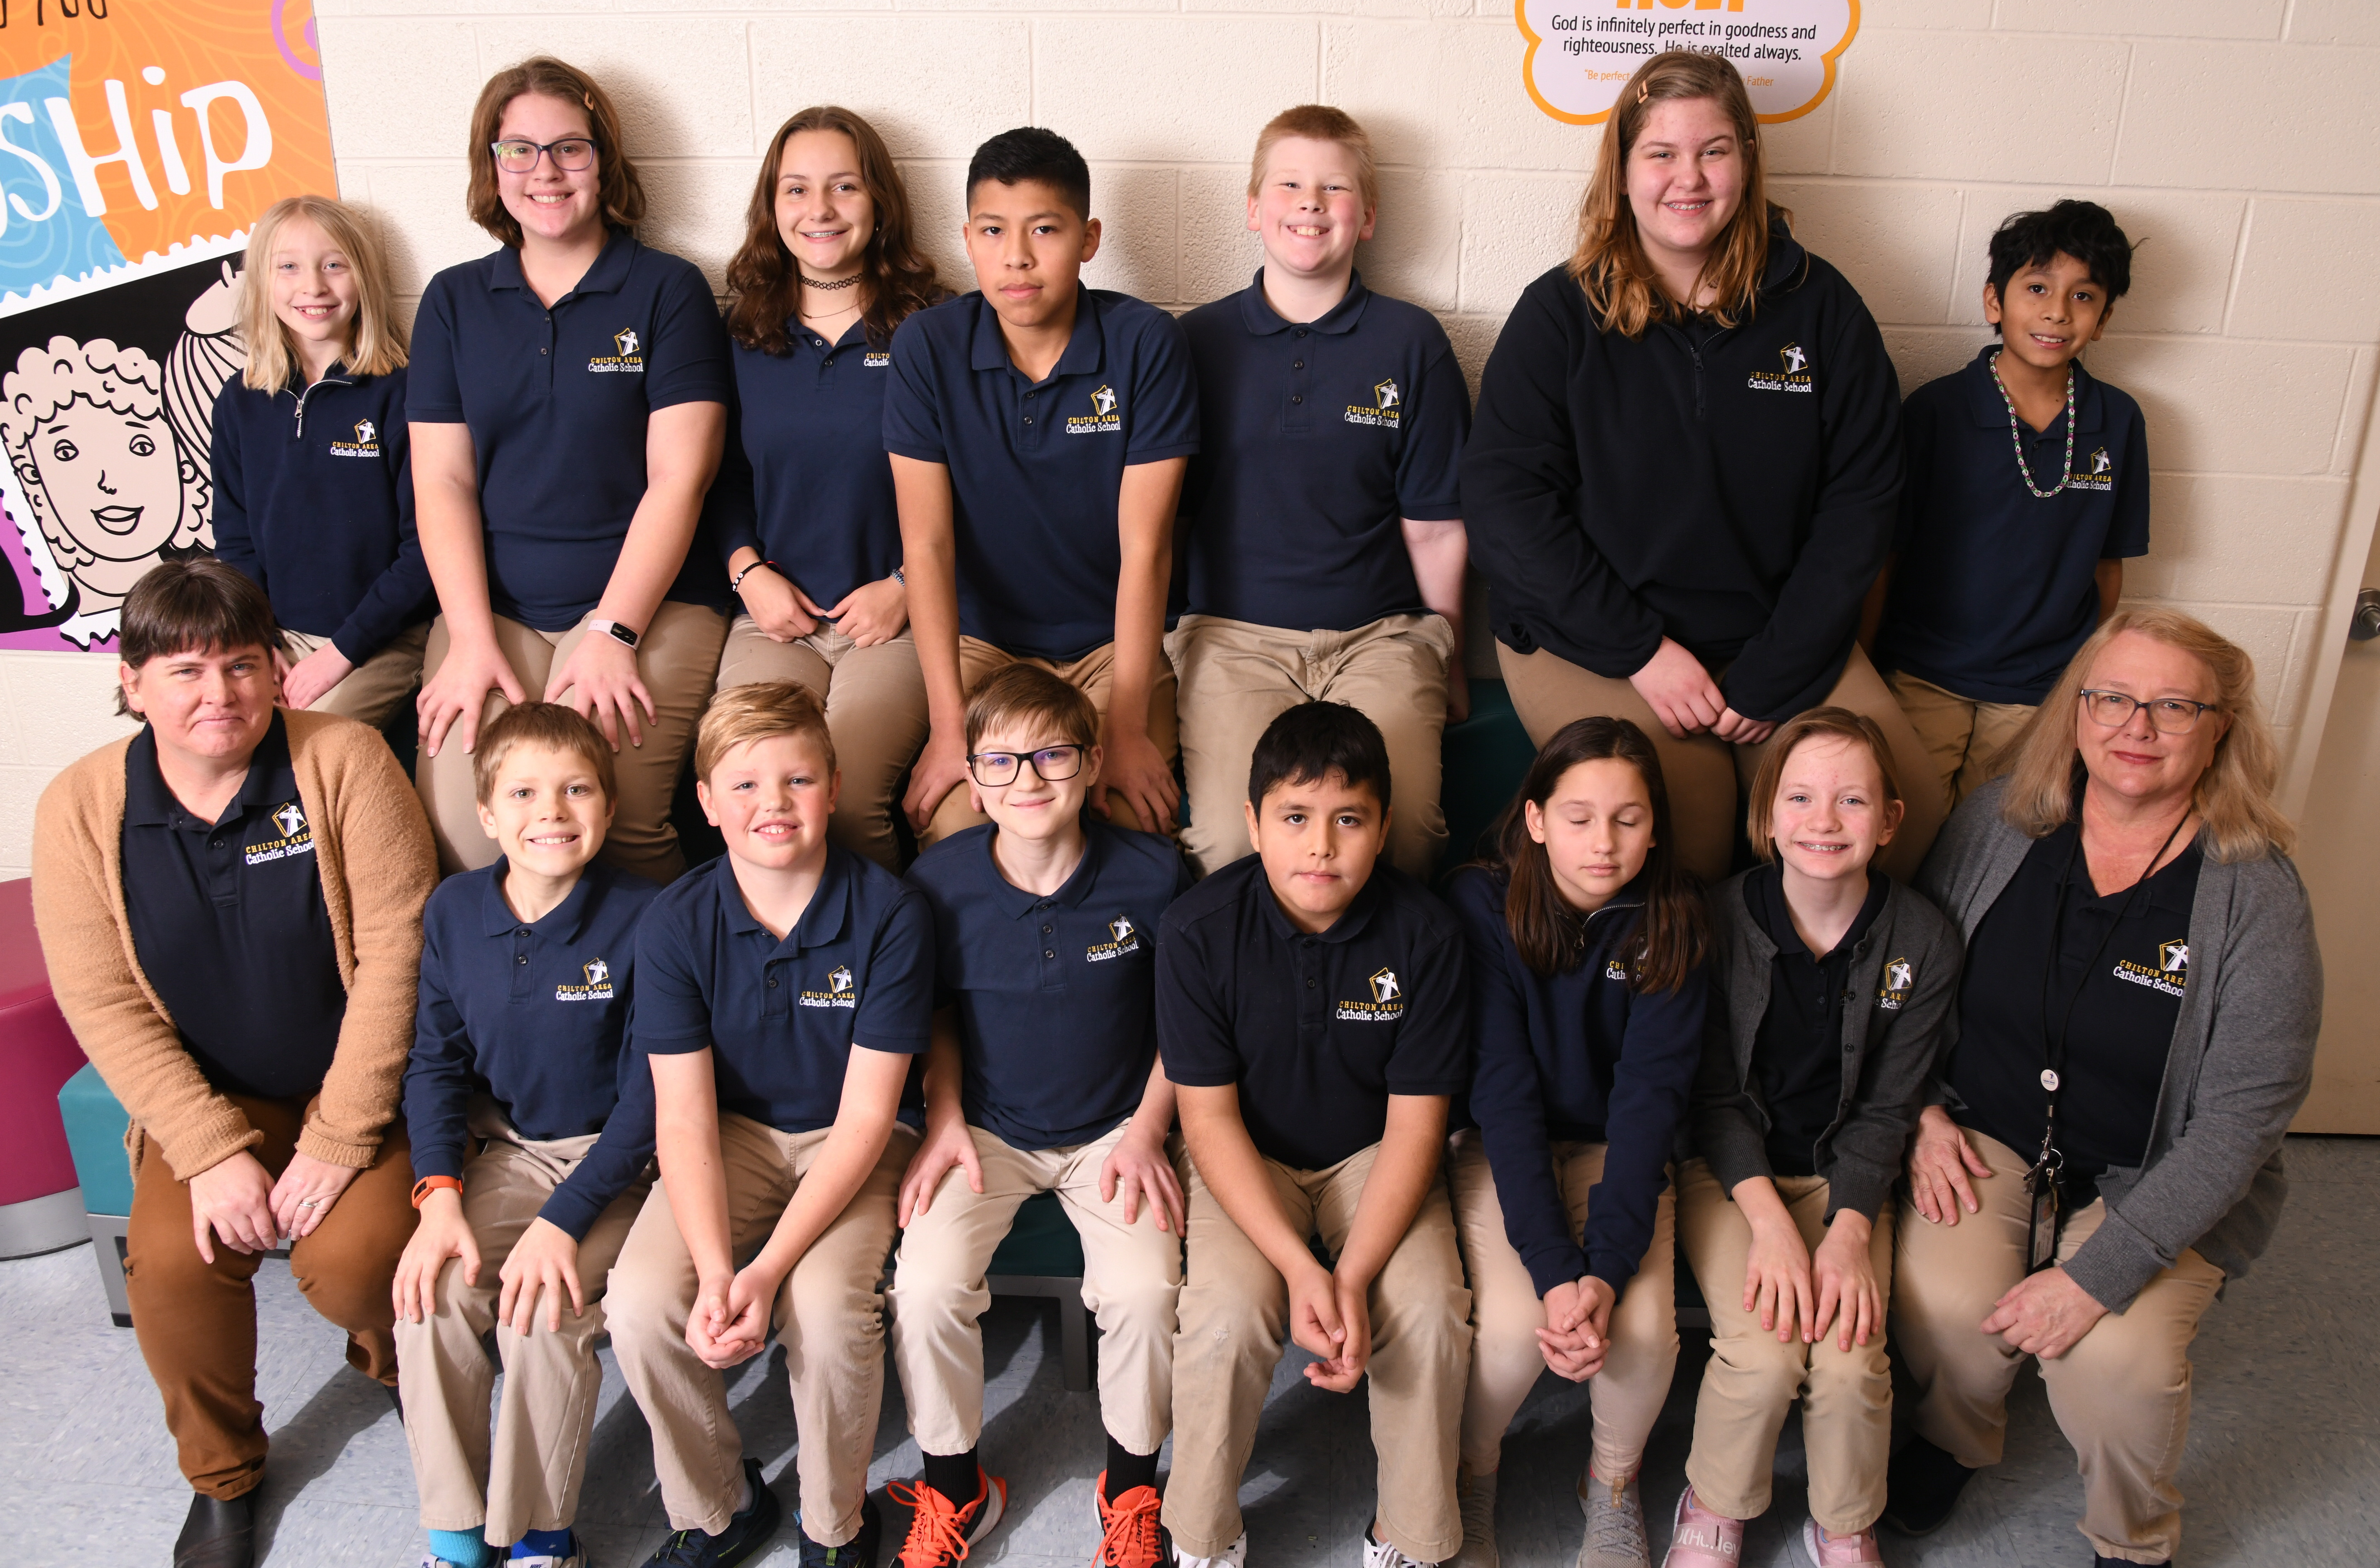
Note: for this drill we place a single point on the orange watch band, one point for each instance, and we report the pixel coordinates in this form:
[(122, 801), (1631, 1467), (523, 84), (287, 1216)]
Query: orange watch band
[(428, 1184)]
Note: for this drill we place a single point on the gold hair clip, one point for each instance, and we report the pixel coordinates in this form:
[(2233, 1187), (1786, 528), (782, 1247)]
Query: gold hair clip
[(1644, 91)]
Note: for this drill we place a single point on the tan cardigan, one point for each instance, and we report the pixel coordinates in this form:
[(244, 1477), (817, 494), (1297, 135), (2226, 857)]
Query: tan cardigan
[(372, 845)]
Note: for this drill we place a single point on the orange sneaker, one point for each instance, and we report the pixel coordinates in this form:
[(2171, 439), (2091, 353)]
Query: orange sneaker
[(939, 1535), (1130, 1535)]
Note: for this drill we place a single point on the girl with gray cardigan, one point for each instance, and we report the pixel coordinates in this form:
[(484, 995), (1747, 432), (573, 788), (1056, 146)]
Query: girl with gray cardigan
[(2137, 1030)]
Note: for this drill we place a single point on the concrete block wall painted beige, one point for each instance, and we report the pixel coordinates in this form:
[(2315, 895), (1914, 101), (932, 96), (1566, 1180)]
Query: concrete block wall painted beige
[(2237, 138)]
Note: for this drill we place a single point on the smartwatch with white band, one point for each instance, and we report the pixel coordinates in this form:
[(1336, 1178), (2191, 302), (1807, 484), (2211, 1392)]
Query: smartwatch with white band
[(614, 630)]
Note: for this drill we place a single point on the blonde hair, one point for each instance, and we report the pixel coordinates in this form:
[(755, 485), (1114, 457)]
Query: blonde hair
[(376, 344), (1024, 694), (618, 191), (1818, 724), (1320, 121), (1610, 263), (549, 725), (2233, 797), (743, 715)]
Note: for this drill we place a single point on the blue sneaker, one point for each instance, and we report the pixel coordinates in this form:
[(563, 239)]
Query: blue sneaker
[(859, 1551), (746, 1534), (575, 1556)]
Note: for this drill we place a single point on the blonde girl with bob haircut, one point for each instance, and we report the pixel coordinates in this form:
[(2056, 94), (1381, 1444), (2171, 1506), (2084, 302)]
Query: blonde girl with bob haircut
[(1684, 469), (2102, 1152), (314, 481)]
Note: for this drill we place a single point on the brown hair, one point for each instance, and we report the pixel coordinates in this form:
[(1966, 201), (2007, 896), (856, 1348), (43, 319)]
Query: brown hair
[(1320, 121), (2233, 797), (1022, 694), (549, 725), (1818, 724), (1673, 933), (375, 338), (743, 715), (764, 286), (618, 191), (1610, 263), (195, 603)]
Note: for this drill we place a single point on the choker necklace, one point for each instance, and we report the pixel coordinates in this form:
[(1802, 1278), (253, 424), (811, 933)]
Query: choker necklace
[(850, 282), (2016, 437)]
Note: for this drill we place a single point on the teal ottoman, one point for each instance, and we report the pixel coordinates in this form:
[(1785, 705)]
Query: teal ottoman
[(95, 1123), (1484, 757), (1043, 1257)]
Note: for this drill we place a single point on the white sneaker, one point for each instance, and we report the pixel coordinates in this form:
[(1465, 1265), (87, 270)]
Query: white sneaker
[(1381, 1554), (1476, 1497), (1234, 1556)]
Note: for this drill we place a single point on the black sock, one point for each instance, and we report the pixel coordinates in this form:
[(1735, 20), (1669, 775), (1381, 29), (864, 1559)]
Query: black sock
[(956, 1476), (1127, 1469)]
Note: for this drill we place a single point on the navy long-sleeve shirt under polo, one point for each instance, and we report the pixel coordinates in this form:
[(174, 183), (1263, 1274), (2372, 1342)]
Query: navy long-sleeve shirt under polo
[(314, 499), (1056, 995), (1317, 1030), (780, 1017), (805, 480), (1578, 1056), (1036, 467), (533, 1015), (557, 401), (1316, 440)]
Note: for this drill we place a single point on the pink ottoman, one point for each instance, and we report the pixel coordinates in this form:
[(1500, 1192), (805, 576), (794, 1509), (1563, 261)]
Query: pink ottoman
[(40, 1208)]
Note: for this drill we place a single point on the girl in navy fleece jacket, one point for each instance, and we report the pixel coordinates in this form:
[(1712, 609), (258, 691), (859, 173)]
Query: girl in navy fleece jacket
[(1586, 943)]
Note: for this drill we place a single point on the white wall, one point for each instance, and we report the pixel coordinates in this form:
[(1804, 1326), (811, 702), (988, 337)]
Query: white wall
[(2240, 138)]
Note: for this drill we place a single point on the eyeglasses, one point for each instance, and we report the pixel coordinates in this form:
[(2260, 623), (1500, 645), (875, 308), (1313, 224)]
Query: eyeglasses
[(570, 154), (2171, 715), (1051, 764)]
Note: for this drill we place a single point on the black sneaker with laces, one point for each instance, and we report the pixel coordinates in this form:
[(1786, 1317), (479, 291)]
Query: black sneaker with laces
[(1922, 1488), (746, 1534), (859, 1551)]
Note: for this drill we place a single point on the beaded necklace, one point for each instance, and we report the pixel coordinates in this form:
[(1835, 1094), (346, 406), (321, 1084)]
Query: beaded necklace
[(2016, 433)]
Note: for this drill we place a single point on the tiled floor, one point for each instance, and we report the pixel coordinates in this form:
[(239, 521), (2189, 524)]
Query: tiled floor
[(2284, 1465)]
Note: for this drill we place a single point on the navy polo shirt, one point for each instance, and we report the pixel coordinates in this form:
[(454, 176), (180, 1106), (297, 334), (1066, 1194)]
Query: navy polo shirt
[(228, 920), (780, 1017), (535, 1017), (1994, 592), (1316, 439), (1056, 996), (1036, 466), (1797, 1052), (557, 401), (805, 480), (1317, 1032), (314, 499)]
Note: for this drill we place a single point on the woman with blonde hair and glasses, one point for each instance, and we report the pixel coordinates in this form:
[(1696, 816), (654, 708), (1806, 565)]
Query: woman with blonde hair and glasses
[(2136, 1029), (1683, 473)]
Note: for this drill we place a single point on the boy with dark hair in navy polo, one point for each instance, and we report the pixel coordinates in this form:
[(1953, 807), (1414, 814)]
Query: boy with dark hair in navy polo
[(1038, 431), (1312, 1015), (1043, 1078), (2027, 488), (782, 993), (526, 969), (1325, 548)]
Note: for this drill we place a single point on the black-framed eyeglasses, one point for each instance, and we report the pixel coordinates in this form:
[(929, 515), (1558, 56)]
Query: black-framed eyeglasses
[(1051, 764), (570, 154), (2169, 715)]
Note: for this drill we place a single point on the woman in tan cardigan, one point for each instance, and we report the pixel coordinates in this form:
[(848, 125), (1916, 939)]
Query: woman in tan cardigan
[(230, 905)]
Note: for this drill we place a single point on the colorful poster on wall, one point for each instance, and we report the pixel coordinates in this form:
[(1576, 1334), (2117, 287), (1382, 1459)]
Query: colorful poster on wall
[(1581, 51), (138, 140)]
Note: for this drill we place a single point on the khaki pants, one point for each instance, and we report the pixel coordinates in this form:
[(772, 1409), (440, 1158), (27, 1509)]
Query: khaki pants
[(1705, 775), (1960, 735), (1751, 1380), (1132, 1275), (1506, 1314), (828, 1317), (1090, 675), (196, 1320), (875, 701), (2121, 1394), (1235, 1318), (1237, 678), (677, 658), (529, 1481), (374, 688)]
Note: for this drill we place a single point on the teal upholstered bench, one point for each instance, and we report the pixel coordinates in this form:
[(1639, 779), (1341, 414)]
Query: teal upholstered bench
[(1042, 1256), (94, 1123), (1484, 757)]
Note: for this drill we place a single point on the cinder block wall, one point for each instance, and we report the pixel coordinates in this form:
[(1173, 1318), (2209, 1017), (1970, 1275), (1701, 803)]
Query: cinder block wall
[(2239, 139)]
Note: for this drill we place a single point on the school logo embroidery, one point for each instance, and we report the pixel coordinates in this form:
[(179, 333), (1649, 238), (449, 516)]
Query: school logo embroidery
[(598, 986), (1615, 970), (1792, 375), (366, 443), (1899, 979), (1387, 1005), (1102, 419), (2168, 977), (291, 817), (2099, 473), (1387, 410), (296, 838), (841, 990), (875, 360), (1123, 937), (2173, 958), (629, 360)]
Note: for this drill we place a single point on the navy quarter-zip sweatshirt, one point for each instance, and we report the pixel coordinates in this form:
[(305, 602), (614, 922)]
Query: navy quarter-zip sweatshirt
[(1576, 1057), (1734, 489), (314, 501)]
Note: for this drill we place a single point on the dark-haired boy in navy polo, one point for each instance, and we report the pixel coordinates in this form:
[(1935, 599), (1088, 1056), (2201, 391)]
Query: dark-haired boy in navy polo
[(1043, 1078), (782, 992), (1326, 543), (526, 969), (2028, 486), (1312, 1014), (1038, 431)]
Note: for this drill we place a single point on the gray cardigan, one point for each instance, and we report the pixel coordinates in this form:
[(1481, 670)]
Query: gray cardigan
[(2240, 1066), (1891, 1046)]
